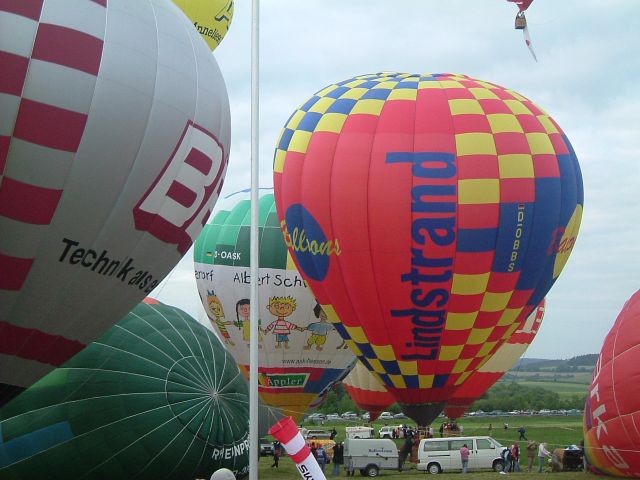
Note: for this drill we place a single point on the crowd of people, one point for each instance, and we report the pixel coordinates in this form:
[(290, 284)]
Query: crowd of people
[(511, 456), (448, 429)]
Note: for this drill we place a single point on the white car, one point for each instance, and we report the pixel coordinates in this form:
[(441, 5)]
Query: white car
[(349, 415), (314, 433), (333, 417), (387, 431), (386, 416)]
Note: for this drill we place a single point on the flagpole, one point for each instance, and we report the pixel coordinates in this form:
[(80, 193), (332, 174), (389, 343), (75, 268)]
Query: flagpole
[(254, 252)]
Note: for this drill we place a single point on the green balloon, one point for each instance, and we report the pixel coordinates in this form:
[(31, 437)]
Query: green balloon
[(156, 397)]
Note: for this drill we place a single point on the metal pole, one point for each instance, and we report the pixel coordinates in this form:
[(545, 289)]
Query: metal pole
[(255, 184)]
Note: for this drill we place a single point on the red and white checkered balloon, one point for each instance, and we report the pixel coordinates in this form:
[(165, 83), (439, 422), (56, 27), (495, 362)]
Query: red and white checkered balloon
[(114, 142)]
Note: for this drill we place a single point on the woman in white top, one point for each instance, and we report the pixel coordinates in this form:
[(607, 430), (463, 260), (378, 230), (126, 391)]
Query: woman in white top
[(542, 454)]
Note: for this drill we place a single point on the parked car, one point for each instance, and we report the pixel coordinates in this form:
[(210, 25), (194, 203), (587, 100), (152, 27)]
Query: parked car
[(386, 416), (266, 447), (366, 416), (387, 431), (317, 417), (349, 415), (314, 433), (332, 417), (400, 416)]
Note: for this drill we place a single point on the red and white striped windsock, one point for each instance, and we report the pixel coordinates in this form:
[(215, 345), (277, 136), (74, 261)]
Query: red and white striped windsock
[(286, 432)]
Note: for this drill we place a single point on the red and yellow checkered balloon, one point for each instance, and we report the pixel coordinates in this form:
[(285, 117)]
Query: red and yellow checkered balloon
[(429, 214), (500, 363)]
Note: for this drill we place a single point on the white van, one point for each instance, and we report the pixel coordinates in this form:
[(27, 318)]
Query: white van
[(436, 455), (359, 432), (370, 455)]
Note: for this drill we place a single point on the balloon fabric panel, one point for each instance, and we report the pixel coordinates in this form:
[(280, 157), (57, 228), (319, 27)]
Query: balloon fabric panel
[(112, 155), (157, 396), (612, 411), (500, 363), (300, 355), (367, 391), (211, 18), (439, 207)]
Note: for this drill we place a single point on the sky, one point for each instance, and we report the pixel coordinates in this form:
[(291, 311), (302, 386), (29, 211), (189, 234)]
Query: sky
[(586, 78)]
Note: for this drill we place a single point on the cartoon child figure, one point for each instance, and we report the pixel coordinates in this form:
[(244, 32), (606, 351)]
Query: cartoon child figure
[(281, 307), (243, 311), (319, 330), (215, 307)]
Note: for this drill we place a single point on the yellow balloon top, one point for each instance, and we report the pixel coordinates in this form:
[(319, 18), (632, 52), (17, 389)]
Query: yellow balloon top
[(211, 18)]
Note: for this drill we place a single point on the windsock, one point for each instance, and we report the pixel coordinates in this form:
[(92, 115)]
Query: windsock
[(287, 433)]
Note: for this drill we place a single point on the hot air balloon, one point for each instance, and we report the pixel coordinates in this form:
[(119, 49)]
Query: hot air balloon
[(521, 23), (156, 397), (367, 391), (429, 214), (612, 411), (212, 18), (300, 355), (500, 363), (113, 146)]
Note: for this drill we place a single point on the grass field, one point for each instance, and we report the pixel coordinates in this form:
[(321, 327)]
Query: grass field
[(557, 431), (287, 471), (577, 377)]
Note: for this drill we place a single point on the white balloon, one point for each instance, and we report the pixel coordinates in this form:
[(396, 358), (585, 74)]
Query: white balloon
[(114, 141)]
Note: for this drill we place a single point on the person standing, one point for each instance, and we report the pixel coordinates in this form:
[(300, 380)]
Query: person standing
[(532, 448), (404, 451), (322, 457), (506, 460), (276, 454), (515, 457), (543, 453), (464, 456), (338, 458)]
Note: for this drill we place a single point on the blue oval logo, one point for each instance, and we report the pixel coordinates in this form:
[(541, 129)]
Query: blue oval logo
[(305, 237)]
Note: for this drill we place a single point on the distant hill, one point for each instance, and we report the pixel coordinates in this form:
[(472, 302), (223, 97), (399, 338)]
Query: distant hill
[(581, 363)]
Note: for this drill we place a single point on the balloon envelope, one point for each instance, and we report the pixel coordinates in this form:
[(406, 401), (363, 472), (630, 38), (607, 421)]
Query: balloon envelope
[(429, 214), (612, 411), (301, 356), (367, 391), (156, 397), (212, 18), (502, 361), (113, 146)]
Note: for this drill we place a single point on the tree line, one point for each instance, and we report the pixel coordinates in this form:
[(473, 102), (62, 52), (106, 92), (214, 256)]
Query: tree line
[(505, 396)]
